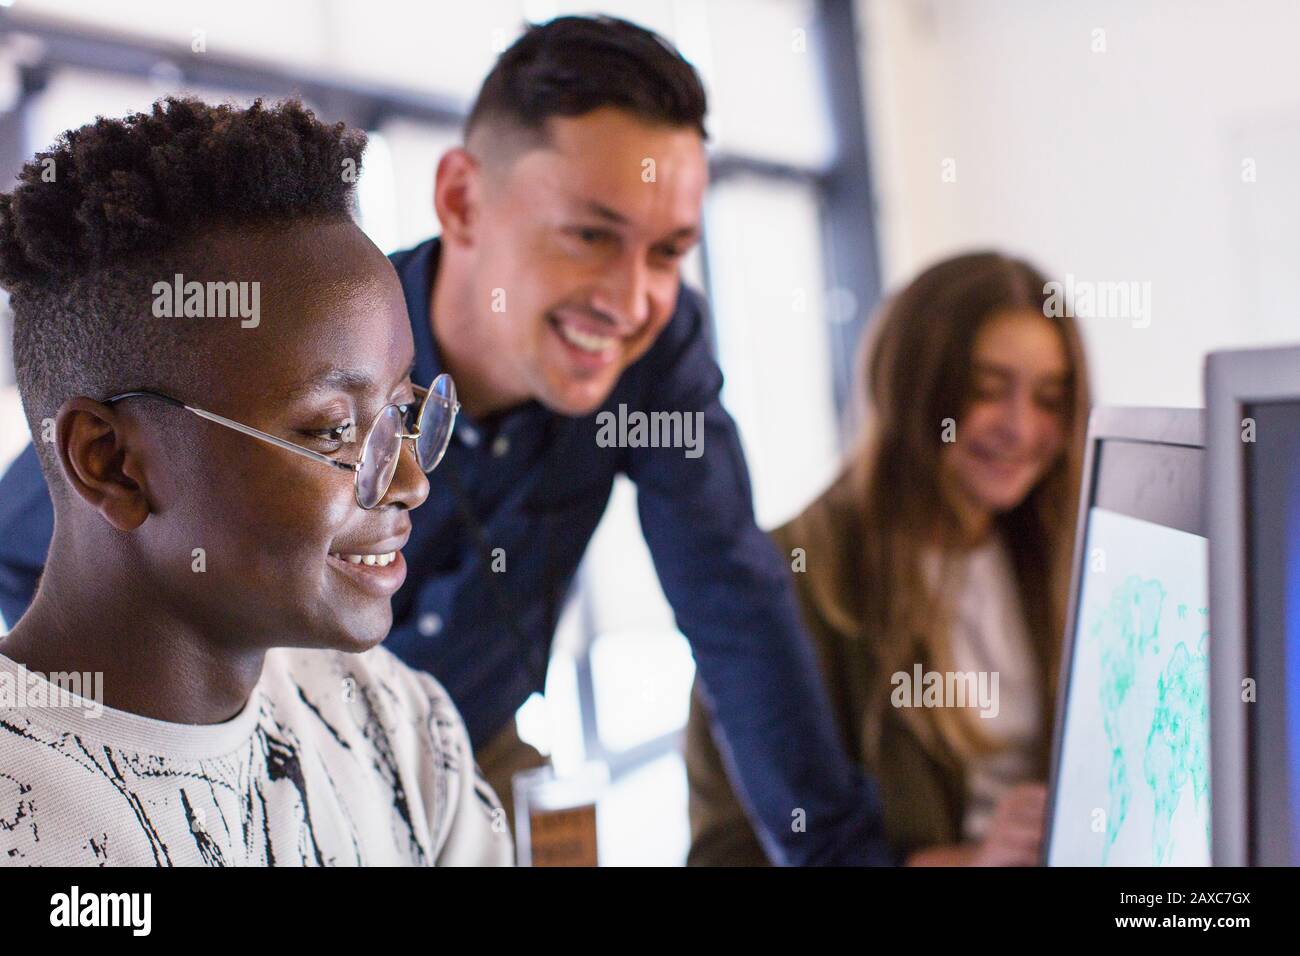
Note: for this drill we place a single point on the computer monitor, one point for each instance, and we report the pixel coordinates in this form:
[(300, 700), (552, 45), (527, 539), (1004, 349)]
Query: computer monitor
[(1253, 510), (1130, 779)]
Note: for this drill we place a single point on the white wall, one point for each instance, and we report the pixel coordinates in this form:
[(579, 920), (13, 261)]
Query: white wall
[(1125, 164)]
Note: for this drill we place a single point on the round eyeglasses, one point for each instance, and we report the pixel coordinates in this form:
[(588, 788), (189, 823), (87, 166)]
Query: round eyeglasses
[(429, 424), (430, 427)]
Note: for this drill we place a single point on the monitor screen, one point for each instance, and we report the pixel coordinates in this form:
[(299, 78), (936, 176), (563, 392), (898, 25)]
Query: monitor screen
[(1273, 625), (1133, 782)]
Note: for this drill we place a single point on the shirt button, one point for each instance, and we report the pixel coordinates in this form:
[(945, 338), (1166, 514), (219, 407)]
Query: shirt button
[(468, 435), (501, 446), (430, 624)]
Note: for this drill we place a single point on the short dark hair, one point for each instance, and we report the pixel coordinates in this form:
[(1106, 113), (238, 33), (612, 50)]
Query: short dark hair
[(570, 66), (114, 206)]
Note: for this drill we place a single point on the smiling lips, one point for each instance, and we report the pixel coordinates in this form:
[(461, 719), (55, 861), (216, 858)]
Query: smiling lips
[(586, 342), (378, 572), (1004, 465), (371, 560)]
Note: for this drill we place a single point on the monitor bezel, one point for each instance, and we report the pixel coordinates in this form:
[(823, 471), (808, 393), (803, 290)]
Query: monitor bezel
[(1156, 426), (1234, 380)]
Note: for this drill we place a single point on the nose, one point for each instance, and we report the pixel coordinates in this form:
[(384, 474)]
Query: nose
[(624, 292), (1018, 417), (410, 486)]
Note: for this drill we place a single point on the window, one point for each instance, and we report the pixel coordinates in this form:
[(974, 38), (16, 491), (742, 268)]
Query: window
[(619, 685)]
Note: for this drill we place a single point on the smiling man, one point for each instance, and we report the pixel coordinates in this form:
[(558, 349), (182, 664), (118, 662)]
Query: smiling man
[(223, 555), (554, 298), (560, 257)]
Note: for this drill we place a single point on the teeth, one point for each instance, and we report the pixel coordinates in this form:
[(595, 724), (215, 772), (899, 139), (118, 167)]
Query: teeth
[(370, 560), (585, 340)]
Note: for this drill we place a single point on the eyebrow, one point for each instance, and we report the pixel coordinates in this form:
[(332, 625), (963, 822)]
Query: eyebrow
[(1005, 372), (601, 211), (334, 379)]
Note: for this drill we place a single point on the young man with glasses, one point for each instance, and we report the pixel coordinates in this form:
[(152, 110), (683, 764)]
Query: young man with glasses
[(230, 505), (554, 298)]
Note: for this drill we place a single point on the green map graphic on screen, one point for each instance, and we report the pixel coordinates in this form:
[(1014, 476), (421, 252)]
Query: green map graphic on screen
[(1175, 759), (1134, 784)]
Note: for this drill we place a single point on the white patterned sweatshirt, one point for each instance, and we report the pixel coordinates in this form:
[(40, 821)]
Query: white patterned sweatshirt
[(336, 760)]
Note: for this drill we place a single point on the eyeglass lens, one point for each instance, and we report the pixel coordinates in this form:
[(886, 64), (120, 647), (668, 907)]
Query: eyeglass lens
[(383, 445)]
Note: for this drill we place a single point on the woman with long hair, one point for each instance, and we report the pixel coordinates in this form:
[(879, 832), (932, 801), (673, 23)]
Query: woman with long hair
[(942, 548)]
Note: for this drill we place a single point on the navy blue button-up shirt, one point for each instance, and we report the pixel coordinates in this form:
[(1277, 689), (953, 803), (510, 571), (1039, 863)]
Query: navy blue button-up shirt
[(534, 484)]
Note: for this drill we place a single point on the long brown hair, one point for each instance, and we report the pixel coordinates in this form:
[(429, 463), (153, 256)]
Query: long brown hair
[(868, 533)]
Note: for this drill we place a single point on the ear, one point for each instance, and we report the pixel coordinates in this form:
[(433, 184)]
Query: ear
[(100, 463), (456, 195)]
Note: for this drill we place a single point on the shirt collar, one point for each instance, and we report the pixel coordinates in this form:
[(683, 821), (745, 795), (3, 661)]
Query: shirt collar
[(416, 275)]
